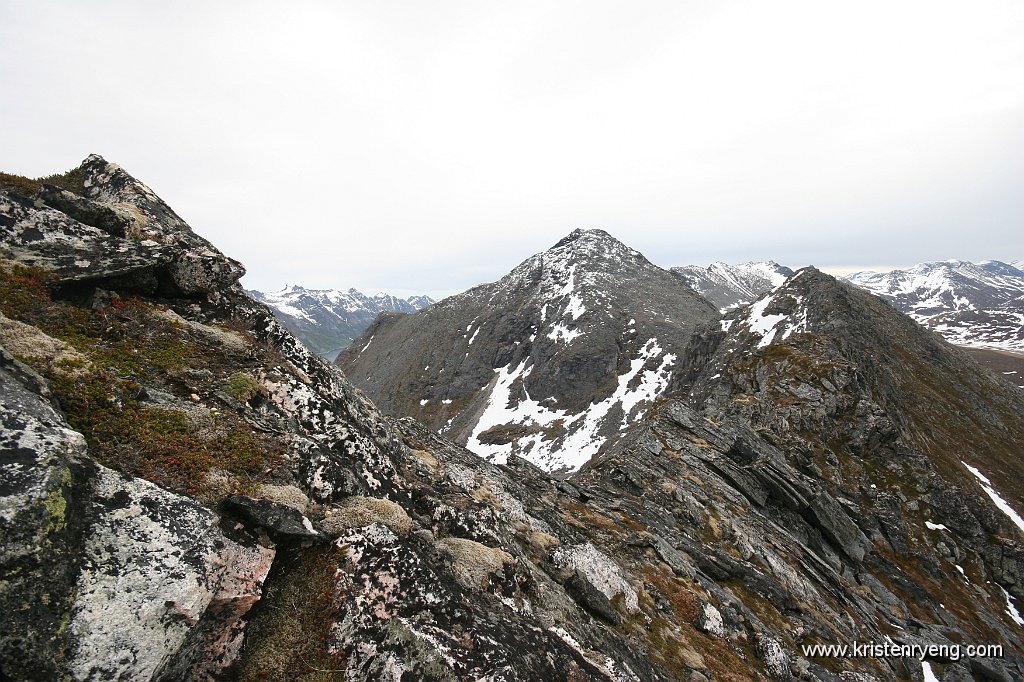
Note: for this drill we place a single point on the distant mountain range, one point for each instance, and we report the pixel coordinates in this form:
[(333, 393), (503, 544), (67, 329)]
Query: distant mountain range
[(729, 286), (972, 304), (326, 320)]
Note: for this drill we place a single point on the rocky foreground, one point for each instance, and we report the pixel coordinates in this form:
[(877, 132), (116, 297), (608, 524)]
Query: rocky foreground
[(186, 493)]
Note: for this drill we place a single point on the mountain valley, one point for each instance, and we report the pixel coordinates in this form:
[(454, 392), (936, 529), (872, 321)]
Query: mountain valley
[(327, 320)]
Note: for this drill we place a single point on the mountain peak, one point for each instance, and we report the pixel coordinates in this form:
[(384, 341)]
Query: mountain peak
[(595, 250), (547, 363), (580, 234)]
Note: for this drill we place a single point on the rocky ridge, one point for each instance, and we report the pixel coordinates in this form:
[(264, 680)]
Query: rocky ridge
[(729, 286), (972, 304), (327, 320), (808, 489), (547, 363)]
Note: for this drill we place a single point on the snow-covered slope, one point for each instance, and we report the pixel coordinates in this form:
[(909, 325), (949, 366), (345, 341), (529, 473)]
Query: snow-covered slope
[(327, 320), (973, 304), (728, 286), (550, 361)]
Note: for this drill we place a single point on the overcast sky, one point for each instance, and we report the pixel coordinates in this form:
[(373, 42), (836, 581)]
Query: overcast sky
[(430, 146)]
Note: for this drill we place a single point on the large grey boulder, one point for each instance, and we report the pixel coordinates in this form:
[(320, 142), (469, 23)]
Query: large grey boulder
[(107, 576)]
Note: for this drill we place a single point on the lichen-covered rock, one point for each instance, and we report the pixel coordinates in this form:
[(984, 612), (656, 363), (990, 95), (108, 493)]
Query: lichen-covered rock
[(43, 483), (599, 570), (116, 230), (280, 520), (106, 577), (403, 618), (71, 251), (153, 563)]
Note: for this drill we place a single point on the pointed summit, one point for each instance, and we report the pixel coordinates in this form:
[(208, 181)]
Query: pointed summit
[(547, 363), (593, 246)]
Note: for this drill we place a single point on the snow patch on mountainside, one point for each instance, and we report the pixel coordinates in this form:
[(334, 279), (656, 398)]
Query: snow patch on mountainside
[(768, 325), (510, 406), (1002, 504), (973, 304)]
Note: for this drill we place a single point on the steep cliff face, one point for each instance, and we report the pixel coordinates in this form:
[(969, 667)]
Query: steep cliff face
[(547, 363), (186, 492)]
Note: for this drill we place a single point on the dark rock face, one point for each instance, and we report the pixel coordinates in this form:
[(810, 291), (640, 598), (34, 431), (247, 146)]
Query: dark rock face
[(547, 363), (805, 484), (281, 521)]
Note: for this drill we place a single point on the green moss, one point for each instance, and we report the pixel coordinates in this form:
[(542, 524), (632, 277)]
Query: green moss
[(242, 387), (22, 289), (155, 443)]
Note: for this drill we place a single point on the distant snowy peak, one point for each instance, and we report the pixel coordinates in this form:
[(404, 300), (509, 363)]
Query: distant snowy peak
[(419, 302), (327, 320), (301, 302), (975, 304), (728, 286)]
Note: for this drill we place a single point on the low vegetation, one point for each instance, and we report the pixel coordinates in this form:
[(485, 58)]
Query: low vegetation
[(289, 635), (102, 388)]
